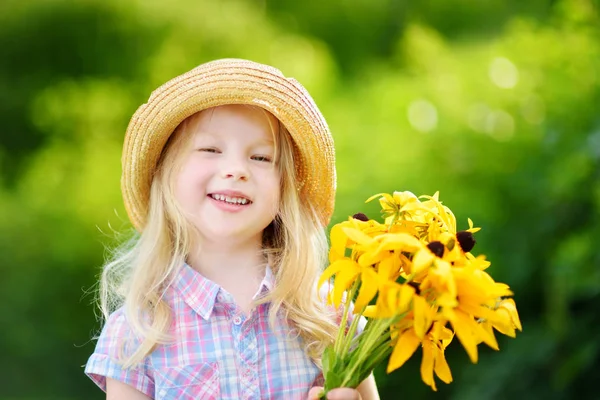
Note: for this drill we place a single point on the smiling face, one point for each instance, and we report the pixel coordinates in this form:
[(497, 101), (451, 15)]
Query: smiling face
[(228, 184)]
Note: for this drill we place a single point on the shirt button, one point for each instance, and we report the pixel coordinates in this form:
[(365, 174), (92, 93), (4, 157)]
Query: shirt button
[(237, 320), (220, 297)]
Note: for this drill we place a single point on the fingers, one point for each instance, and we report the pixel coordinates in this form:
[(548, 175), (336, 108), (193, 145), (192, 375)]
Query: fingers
[(335, 394), (314, 393), (343, 394)]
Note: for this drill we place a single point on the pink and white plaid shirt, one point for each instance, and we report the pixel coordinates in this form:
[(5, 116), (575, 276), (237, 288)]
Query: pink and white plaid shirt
[(217, 354)]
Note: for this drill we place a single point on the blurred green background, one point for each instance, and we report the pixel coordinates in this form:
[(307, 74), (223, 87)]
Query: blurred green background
[(496, 104)]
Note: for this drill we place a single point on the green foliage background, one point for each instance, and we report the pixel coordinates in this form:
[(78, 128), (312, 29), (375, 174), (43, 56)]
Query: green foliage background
[(496, 104)]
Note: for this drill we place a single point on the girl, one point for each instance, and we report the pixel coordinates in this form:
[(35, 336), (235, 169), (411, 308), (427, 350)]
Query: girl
[(229, 178)]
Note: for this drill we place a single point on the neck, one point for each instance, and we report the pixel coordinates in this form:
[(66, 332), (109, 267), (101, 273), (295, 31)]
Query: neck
[(227, 262)]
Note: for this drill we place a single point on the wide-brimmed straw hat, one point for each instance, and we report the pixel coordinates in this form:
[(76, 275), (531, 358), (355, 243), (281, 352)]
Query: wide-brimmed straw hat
[(229, 81)]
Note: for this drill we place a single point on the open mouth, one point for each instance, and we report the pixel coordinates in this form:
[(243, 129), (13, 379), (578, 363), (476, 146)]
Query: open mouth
[(230, 199)]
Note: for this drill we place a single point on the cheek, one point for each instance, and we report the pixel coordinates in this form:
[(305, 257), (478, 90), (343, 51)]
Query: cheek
[(276, 190), (190, 182)]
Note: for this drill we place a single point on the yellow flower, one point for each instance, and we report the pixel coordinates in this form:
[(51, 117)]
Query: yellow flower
[(476, 294), (394, 299), (433, 345), (340, 240), (405, 346), (504, 318), (346, 272), (434, 360), (423, 314), (441, 284), (426, 281), (442, 212)]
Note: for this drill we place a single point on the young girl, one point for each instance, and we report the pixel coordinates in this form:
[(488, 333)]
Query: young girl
[(229, 178)]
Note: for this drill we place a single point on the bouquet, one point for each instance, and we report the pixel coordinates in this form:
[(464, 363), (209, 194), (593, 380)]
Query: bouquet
[(426, 286)]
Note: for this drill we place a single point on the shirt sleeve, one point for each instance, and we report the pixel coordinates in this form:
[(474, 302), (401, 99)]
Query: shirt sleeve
[(115, 339)]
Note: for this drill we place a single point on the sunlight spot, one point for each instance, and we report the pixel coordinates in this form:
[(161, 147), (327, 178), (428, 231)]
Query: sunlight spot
[(422, 115), (503, 73)]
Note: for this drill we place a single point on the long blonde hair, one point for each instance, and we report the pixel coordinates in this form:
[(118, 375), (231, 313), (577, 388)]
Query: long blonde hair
[(295, 243)]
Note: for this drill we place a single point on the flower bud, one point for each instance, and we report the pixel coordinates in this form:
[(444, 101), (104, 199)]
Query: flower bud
[(466, 240), (360, 217), (436, 248)]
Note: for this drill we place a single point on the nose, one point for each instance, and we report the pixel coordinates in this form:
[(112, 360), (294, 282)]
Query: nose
[(235, 168)]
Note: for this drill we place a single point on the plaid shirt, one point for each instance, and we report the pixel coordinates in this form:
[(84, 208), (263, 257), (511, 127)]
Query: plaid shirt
[(218, 353)]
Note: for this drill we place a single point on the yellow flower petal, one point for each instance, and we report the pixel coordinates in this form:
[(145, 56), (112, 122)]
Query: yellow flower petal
[(486, 335), (442, 369), (471, 229), (501, 320), (327, 274), (511, 307), (371, 312), (427, 365), (388, 299), (407, 293), (422, 316), (343, 280), (443, 213), (333, 269), (369, 258), (357, 236), (405, 347), (463, 327), (389, 267), (402, 198), (422, 260), (368, 289), (339, 241), (378, 195), (399, 241)]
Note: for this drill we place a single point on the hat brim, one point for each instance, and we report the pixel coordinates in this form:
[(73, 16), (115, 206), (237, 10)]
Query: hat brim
[(229, 82)]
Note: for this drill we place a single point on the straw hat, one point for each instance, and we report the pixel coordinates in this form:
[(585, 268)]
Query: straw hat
[(229, 81)]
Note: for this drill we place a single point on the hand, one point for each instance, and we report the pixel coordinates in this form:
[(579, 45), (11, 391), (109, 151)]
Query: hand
[(335, 394)]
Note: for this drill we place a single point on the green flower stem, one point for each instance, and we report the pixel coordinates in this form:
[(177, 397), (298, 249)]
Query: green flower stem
[(374, 334), (350, 334), (381, 352), (339, 342)]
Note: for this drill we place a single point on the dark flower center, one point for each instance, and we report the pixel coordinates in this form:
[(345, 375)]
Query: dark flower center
[(466, 240), (436, 248), (415, 285), (360, 217)]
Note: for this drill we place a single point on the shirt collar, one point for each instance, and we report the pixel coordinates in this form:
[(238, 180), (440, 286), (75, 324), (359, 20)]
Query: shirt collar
[(200, 293)]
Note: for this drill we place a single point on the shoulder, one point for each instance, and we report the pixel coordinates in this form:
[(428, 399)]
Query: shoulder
[(115, 342), (116, 332)]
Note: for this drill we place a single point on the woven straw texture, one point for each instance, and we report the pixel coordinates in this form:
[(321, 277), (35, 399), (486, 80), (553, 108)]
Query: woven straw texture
[(229, 81)]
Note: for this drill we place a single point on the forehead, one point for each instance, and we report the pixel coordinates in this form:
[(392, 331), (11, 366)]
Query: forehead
[(241, 121)]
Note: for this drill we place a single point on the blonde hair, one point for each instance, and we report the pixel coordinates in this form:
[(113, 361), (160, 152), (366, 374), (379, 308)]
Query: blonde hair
[(142, 268)]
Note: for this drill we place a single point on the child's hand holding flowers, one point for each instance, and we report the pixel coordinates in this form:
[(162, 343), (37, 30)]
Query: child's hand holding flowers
[(427, 288)]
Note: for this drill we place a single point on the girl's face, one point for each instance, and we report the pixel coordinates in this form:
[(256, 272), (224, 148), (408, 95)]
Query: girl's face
[(229, 185)]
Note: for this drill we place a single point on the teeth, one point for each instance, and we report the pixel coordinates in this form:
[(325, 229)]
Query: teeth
[(232, 200)]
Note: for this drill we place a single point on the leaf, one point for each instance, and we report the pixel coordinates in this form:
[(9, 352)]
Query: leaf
[(332, 380), (328, 359)]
